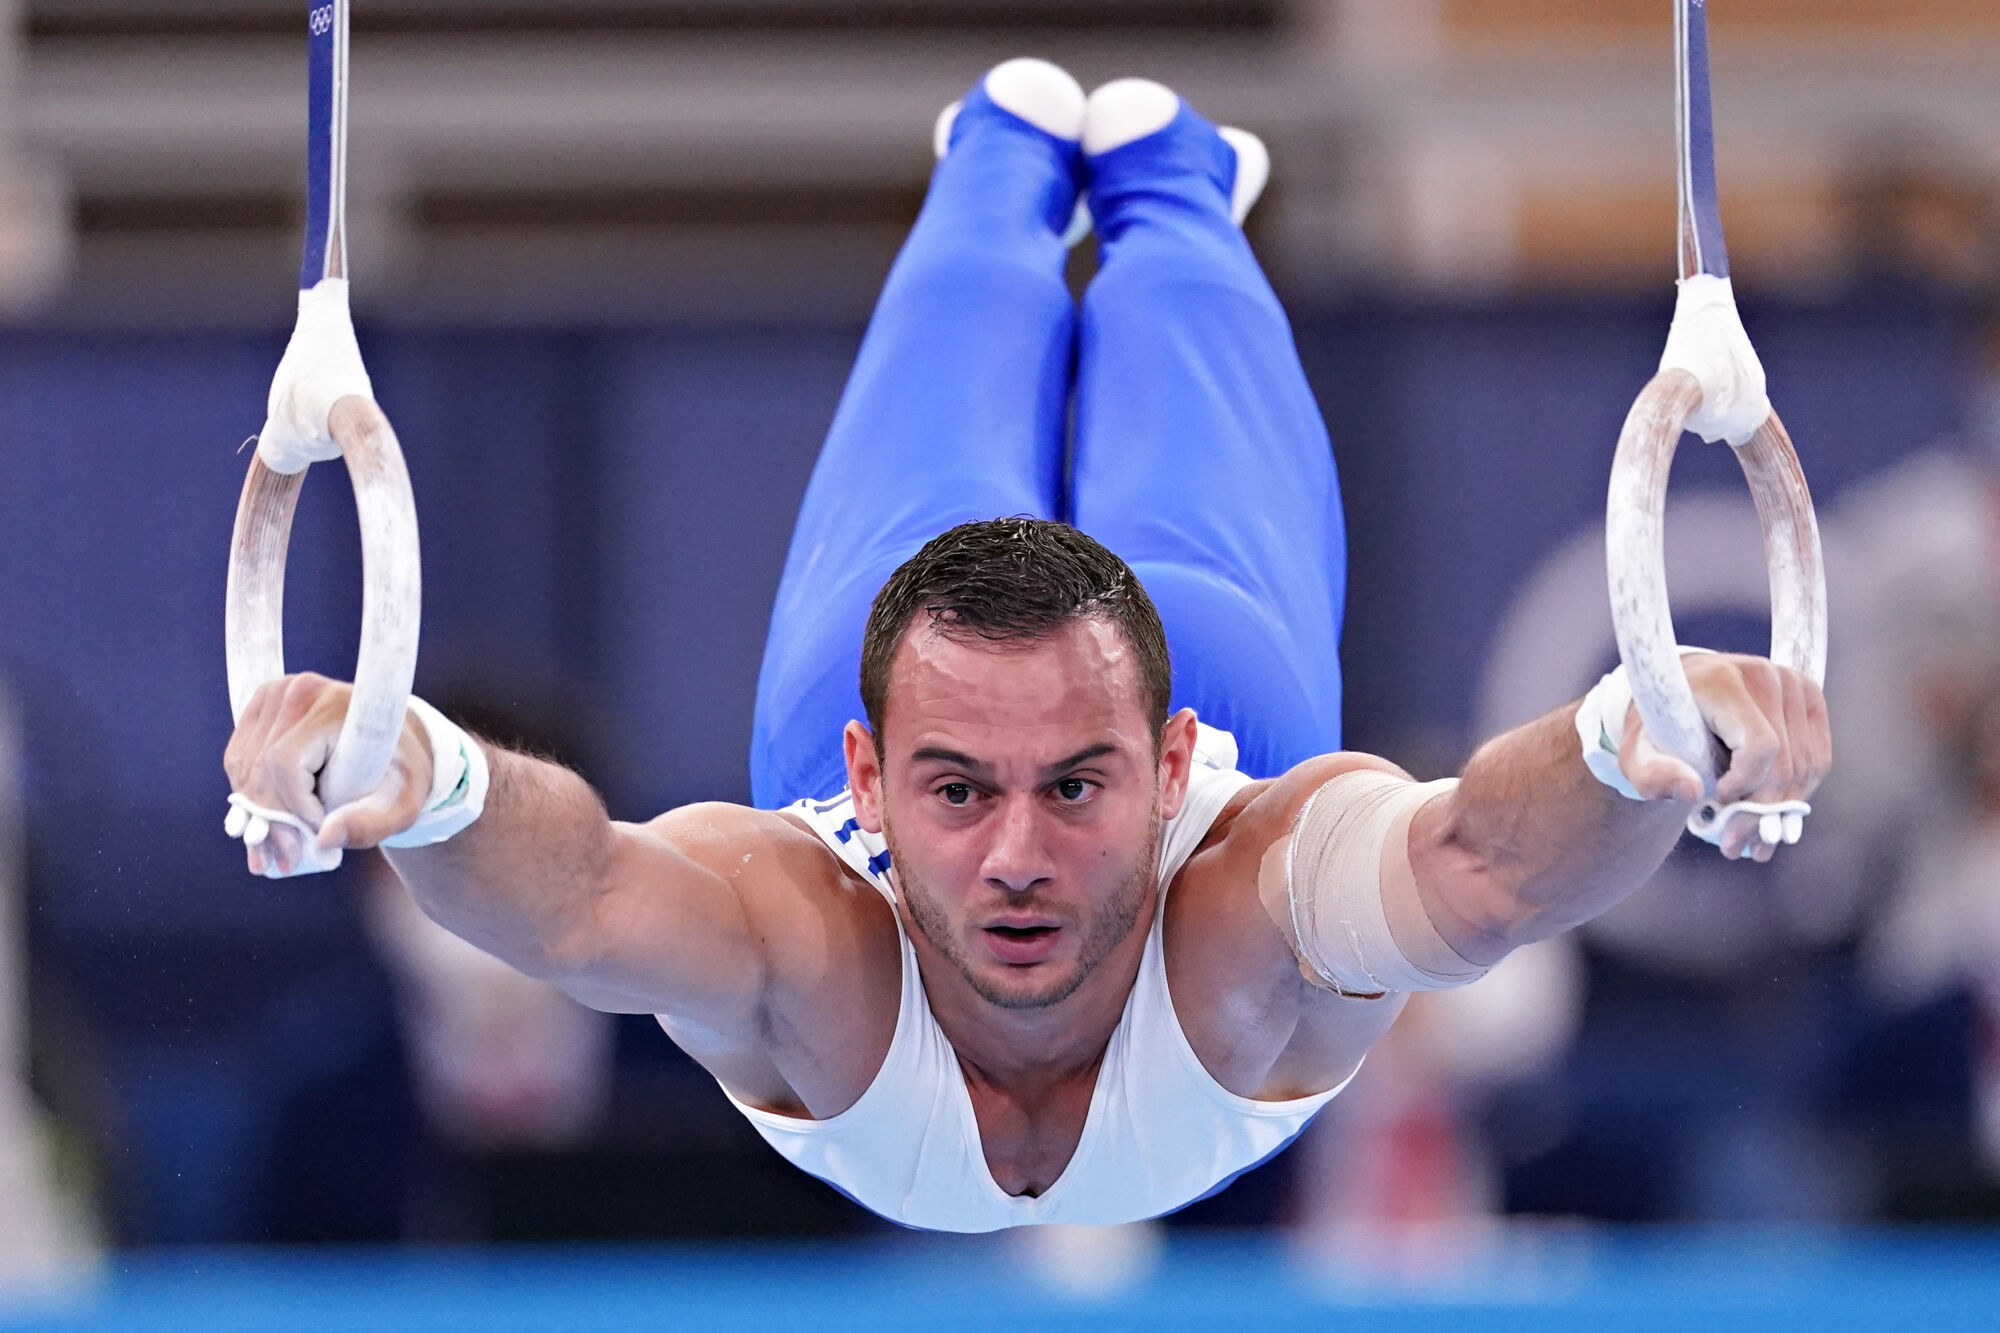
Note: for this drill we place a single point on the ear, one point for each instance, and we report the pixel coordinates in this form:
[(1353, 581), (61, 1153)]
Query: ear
[(864, 776), (1176, 761)]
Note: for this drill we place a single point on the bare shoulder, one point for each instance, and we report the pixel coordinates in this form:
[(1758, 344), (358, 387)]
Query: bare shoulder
[(766, 855), (801, 903), (1257, 1025), (831, 962)]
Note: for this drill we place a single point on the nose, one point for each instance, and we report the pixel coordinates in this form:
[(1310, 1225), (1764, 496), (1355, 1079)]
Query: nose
[(1017, 859)]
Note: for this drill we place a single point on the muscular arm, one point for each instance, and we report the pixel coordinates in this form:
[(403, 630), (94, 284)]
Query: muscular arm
[(1530, 844), (690, 915), (764, 959), (635, 918), (1527, 845)]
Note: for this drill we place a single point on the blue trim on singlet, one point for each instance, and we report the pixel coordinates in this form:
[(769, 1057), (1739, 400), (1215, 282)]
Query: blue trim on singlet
[(1234, 1176), (837, 1188)]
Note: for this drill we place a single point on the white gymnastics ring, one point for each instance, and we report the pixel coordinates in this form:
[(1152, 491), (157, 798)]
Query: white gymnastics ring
[(1635, 543), (391, 599)]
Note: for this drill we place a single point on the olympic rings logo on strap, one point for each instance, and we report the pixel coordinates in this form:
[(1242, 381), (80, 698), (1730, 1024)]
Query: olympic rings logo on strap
[(320, 21)]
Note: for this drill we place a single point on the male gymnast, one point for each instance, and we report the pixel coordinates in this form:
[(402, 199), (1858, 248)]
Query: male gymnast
[(1056, 935)]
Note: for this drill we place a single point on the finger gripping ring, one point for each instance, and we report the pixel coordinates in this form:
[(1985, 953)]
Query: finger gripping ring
[(390, 602)]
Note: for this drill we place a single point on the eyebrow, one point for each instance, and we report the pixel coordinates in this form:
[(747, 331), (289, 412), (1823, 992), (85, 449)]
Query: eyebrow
[(958, 759)]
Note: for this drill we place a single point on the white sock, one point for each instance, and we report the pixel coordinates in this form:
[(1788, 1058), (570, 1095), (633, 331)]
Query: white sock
[(1126, 110), (1253, 170), (1038, 92), (1046, 97)]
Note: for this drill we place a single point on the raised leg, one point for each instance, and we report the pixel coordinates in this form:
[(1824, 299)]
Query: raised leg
[(1201, 457), (956, 410)]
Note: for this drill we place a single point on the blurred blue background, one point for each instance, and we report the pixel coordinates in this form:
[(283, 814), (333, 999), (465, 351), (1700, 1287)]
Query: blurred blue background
[(612, 268)]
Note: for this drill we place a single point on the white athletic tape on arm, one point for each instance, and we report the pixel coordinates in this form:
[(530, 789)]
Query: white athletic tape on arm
[(1347, 857), (460, 776), (1708, 342), (321, 365), (1600, 728)]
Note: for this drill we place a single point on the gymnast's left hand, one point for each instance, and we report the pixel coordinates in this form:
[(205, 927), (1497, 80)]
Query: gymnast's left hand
[(1773, 722), (284, 739)]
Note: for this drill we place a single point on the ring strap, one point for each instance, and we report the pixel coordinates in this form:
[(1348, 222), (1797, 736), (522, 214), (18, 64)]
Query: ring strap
[(1701, 245)]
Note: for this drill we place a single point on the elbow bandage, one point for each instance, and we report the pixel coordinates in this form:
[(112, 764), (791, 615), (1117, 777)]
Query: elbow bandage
[(1350, 905)]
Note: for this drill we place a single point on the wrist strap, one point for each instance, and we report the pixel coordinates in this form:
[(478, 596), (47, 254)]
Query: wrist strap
[(1600, 727), (459, 778)]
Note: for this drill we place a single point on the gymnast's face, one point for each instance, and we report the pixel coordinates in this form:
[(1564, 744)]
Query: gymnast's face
[(1021, 790)]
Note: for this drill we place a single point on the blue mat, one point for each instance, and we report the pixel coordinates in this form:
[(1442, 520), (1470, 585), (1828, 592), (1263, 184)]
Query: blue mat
[(1551, 1280)]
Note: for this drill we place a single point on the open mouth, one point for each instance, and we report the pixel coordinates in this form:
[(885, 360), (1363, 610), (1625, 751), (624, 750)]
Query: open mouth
[(1022, 932), (1022, 946)]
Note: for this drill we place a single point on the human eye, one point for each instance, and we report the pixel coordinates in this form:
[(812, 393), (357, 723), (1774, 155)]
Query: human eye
[(955, 793), (1073, 790)]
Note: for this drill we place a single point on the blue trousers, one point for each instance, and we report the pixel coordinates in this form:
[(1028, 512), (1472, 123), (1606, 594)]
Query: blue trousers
[(1198, 454)]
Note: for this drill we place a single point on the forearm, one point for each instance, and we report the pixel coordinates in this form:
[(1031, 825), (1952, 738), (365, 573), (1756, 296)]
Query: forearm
[(1531, 844), (522, 881)]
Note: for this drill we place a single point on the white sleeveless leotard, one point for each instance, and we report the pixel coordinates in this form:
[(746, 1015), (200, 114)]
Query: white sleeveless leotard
[(1160, 1133)]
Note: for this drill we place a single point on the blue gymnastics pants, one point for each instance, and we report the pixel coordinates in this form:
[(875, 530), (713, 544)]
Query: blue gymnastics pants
[(1199, 455)]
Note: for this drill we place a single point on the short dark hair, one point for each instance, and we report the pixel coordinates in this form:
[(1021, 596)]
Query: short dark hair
[(1012, 578)]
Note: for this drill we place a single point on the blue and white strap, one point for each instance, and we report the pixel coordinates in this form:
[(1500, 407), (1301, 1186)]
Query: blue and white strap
[(322, 362), (326, 143), (1702, 247), (1707, 339)]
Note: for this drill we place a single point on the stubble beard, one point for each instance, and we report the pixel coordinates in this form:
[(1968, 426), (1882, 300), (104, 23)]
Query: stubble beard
[(1101, 934)]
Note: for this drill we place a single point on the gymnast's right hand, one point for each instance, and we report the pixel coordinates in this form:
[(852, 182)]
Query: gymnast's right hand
[(274, 760)]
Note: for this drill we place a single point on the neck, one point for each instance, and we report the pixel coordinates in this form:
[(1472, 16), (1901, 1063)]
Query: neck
[(1025, 1049)]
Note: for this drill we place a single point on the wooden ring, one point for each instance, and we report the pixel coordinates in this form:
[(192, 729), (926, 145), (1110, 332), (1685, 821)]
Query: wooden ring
[(1635, 549), (392, 594)]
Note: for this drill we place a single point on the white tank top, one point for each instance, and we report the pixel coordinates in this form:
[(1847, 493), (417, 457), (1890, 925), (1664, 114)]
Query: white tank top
[(1160, 1133)]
